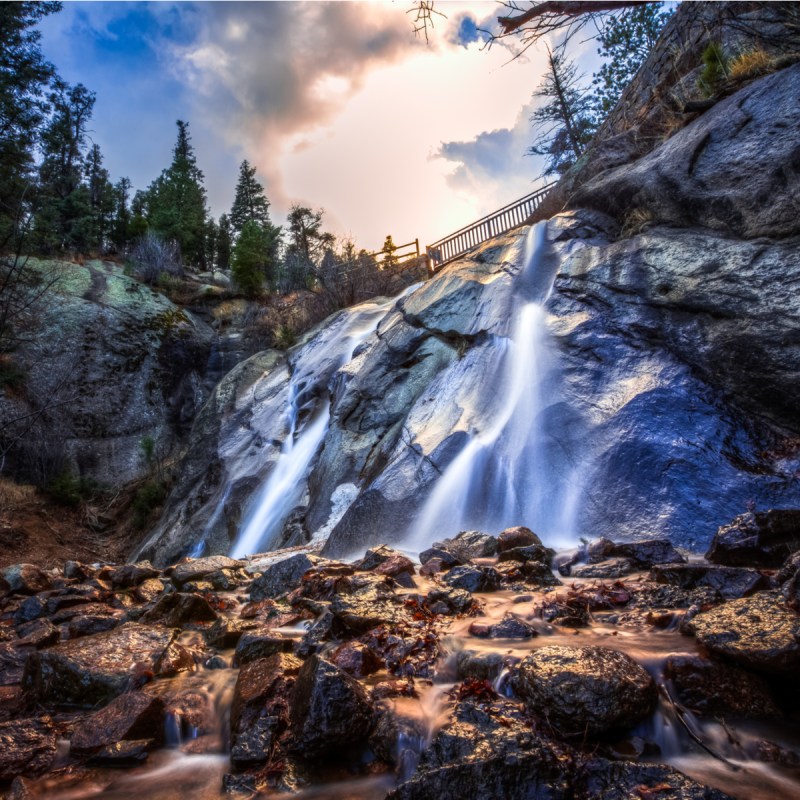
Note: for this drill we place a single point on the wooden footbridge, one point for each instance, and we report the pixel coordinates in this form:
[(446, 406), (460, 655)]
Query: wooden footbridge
[(507, 218)]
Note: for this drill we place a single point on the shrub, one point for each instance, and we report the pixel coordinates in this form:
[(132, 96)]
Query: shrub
[(149, 497), (285, 337), (69, 489), (715, 69), (153, 257)]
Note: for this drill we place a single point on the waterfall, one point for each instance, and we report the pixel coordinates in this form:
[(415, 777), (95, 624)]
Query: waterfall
[(307, 417), (506, 473)]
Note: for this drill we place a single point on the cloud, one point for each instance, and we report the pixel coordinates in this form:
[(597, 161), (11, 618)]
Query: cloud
[(494, 164), (268, 75)]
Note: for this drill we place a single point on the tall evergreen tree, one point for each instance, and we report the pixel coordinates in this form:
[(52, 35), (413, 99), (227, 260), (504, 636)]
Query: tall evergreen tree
[(212, 235), (250, 259), (224, 243), (565, 123), (101, 199), (177, 200), (625, 41), (250, 202), (121, 219), (24, 77), (64, 206)]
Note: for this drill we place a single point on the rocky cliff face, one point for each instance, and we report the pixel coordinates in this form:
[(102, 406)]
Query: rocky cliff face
[(670, 406), (114, 362)]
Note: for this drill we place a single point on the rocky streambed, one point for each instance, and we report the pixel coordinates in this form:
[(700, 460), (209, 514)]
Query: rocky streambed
[(489, 667)]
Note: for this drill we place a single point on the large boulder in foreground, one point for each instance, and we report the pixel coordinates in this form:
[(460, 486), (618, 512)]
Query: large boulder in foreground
[(330, 710), (95, 669), (585, 689), (758, 632), (760, 539)]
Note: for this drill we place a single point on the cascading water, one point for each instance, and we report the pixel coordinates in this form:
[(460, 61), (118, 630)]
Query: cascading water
[(307, 417), (506, 473)]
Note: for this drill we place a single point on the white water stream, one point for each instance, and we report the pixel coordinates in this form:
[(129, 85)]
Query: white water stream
[(506, 474), (307, 417)]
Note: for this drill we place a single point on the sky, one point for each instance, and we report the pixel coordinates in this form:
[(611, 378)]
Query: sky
[(338, 105)]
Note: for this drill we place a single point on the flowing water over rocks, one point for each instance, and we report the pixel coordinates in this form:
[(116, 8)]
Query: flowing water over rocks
[(384, 678)]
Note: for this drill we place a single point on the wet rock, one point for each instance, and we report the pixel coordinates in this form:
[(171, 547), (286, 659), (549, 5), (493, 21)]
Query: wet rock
[(372, 604), (260, 644), (319, 631), (25, 579), (473, 579), (384, 560), (610, 568), (483, 755), (133, 715), (130, 575), (531, 552), (485, 666), (647, 552), (149, 590), (511, 627), (127, 753), (12, 663), (30, 608), (330, 710), (728, 582), (466, 546), (38, 633), (88, 625), (599, 779), (760, 539), (260, 709), (226, 632), (27, 746), (282, 576), (758, 632), (450, 601), (719, 690), (95, 669), (355, 659), (195, 569), (513, 538), (75, 571), (585, 689), (176, 658), (435, 559), (177, 609)]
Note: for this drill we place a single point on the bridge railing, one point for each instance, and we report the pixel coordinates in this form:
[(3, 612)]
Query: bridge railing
[(505, 219)]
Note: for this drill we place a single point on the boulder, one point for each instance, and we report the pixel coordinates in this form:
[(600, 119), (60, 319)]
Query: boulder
[(489, 754), (585, 689), (95, 669), (518, 536), (283, 576), (758, 632), (483, 665), (38, 633), (530, 552), (260, 708), (196, 568), (130, 575), (468, 545), (714, 689), (473, 579), (179, 608), (757, 539), (260, 643), (27, 747), (510, 627), (25, 579), (450, 601), (728, 582), (355, 659), (133, 715), (646, 552), (599, 779), (608, 569), (368, 606), (330, 710)]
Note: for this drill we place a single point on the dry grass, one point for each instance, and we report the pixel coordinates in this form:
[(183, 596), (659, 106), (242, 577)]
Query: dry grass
[(14, 495), (636, 220), (750, 64)]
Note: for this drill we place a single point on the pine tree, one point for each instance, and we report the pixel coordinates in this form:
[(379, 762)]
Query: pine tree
[(24, 76), (101, 199), (249, 261), (63, 214), (121, 215), (565, 123), (625, 41), (212, 235), (250, 202), (224, 243), (177, 201)]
